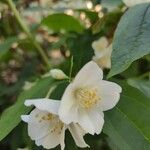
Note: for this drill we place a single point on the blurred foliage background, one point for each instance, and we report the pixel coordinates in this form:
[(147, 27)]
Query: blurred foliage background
[(62, 29)]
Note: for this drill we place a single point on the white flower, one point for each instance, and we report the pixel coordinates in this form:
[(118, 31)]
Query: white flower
[(86, 98), (102, 51), (45, 127), (131, 3)]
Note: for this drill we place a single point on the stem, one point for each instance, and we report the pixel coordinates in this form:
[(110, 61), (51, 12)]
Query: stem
[(50, 91), (52, 88), (71, 67), (147, 74), (27, 31)]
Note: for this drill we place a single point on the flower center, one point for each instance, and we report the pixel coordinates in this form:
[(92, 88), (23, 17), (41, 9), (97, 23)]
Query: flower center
[(48, 117), (57, 127), (87, 97)]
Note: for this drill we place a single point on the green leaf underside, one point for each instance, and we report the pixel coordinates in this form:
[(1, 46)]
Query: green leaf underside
[(131, 40), (128, 124), (59, 22), (12, 116)]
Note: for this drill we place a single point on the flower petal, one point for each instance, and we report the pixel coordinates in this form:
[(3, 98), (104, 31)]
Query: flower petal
[(25, 118), (36, 125), (100, 44), (44, 104), (49, 141), (97, 119), (110, 94), (68, 110), (77, 134), (89, 75), (91, 121), (103, 59), (40, 130), (62, 138), (86, 122)]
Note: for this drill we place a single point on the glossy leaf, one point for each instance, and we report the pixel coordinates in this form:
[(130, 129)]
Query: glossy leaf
[(131, 40), (81, 50), (128, 124), (62, 22)]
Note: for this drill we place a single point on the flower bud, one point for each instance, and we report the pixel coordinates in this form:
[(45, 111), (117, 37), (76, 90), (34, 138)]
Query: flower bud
[(58, 74), (28, 85)]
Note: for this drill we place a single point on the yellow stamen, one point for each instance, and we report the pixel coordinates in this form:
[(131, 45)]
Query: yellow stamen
[(57, 127), (57, 124), (87, 97), (46, 117)]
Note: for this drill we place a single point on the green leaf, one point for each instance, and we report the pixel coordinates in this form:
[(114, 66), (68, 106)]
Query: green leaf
[(60, 22), (93, 16), (128, 124), (142, 85), (81, 50), (58, 92), (11, 117), (131, 40), (5, 46)]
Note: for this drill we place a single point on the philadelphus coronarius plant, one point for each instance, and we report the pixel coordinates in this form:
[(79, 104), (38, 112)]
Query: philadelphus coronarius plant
[(80, 109), (86, 98), (102, 51), (131, 3), (45, 127)]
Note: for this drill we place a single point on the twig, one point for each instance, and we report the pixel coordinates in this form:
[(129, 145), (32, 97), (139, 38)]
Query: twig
[(71, 67), (27, 31)]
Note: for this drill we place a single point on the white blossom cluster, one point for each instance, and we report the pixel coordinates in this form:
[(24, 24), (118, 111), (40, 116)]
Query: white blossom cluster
[(80, 110)]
